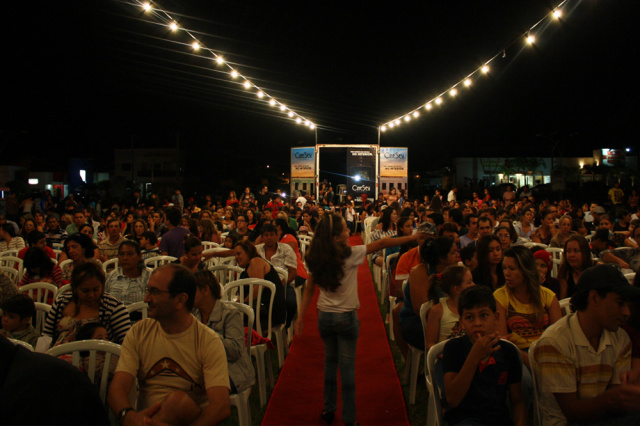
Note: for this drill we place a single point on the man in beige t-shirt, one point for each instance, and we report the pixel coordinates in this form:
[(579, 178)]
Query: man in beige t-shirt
[(180, 363)]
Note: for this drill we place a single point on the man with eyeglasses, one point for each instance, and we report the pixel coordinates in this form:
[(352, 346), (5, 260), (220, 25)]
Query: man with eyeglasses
[(242, 231), (180, 363)]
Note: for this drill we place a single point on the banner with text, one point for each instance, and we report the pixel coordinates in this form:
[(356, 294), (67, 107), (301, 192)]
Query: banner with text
[(303, 162), (361, 167), (394, 162)]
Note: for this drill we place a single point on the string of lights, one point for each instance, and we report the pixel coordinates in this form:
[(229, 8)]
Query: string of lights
[(528, 37), (166, 19)]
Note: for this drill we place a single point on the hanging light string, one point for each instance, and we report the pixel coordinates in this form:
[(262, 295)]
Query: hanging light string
[(165, 18), (467, 81)]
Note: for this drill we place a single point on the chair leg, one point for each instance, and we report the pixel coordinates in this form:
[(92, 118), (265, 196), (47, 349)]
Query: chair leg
[(272, 381), (407, 365), (415, 367), (281, 346), (244, 413), (392, 306), (260, 373)]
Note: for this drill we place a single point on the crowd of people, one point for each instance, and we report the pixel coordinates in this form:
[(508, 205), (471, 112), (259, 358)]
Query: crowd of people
[(445, 247)]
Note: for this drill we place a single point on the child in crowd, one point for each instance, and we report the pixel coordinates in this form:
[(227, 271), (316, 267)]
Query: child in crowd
[(149, 245), (468, 257), (545, 264), (17, 312), (444, 322), (95, 331), (480, 370)]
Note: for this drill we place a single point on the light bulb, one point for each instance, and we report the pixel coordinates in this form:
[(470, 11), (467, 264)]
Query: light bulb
[(485, 69), (439, 101), (467, 82), (453, 92), (220, 60), (196, 45), (173, 26), (234, 74), (247, 84), (383, 128)]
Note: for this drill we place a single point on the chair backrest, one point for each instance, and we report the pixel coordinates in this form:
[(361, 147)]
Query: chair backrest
[(234, 292), (42, 310), (155, 261), (9, 253), (58, 252), (39, 291), (110, 264), (57, 246), (93, 347), (65, 263), (142, 307), (424, 314), (226, 273), (435, 402), (209, 245), (556, 252), (63, 289), (282, 273), (213, 261), (389, 259), (565, 306), (21, 343), (630, 277), (246, 311), (305, 242), (537, 416), (13, 262), (531, 244), (12, 273)]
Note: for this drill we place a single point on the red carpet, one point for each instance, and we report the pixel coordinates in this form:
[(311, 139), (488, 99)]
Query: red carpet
[(298, 396)]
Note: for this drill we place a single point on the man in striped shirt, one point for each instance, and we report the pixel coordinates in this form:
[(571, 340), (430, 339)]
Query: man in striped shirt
[(584, 359)]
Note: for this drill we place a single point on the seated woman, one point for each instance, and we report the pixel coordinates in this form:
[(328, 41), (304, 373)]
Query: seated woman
[(386, 228), (8, 238), (575, 259), (139, 228), (223, 318), (504, 235), (423, 286), (489, 255), (86, 302), (565, 231), (87, 230), (525, 227), (526, 309), (547, 229), (39, 267), (444, 320), (128, 282), (255, 266), (192, 257), (633, 240), (208, 231), (79, 248)]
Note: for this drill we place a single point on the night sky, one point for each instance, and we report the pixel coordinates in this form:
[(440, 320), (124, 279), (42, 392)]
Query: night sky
[(84, 77)]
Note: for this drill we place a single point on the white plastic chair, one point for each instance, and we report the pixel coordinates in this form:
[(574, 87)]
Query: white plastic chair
[(58, 252), (260, 352), (9, 253), (537, 416), (12, 273), (209, 245), (241, 399), (93, 346), (142, 307), (63, 264), (412, 363), (226, 273), (213, 261), (377, 272), (434, 407), (630, 277), (13, 262), (386, 276), (155, 261), (39, 291), (305, 242), (556, 255), (110, 265), (565, 306), (42, 310), (21, 343), (392, 305), (63, 289)]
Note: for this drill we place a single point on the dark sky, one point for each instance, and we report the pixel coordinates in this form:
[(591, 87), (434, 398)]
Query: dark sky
[(84, 77)]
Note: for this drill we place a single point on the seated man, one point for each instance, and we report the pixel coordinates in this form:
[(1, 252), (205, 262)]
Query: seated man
[(481, 372), (149, 245), (180, 363), (583, 360), (53, 232)]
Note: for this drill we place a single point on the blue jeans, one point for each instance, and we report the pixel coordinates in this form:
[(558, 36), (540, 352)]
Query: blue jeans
[(339, 332)]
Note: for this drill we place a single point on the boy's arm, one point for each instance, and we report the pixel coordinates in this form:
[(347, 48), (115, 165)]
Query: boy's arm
[(518, 408), (457, 385)]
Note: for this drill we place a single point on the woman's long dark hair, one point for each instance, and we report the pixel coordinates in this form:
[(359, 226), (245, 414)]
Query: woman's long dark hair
[(482, 273), (326, 256)]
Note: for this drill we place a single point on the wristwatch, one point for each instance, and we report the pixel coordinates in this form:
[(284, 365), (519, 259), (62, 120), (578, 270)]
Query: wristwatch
[(123, 413)]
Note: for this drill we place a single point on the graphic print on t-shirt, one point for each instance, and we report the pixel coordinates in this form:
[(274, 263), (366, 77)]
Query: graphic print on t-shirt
[(168, 367)]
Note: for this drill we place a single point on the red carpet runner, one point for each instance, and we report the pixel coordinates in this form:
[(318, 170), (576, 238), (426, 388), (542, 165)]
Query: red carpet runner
[(298, 396)]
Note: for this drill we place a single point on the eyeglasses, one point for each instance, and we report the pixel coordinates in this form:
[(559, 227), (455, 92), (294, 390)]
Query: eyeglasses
[(155, 292), (503, 236)]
